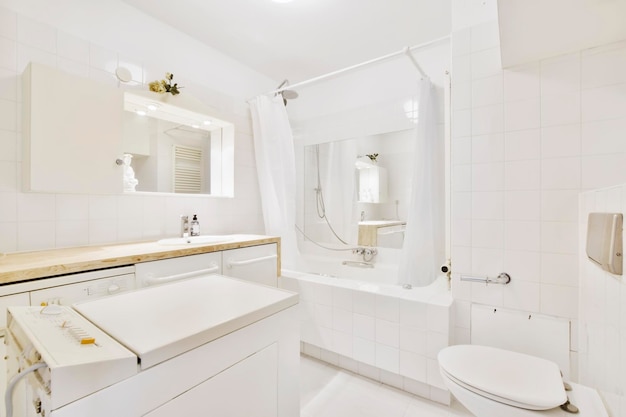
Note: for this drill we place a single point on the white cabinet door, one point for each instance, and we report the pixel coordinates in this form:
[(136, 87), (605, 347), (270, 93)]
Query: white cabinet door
[(71, 293), (72, 133), (255, 263), (248, 388), (174, 269)]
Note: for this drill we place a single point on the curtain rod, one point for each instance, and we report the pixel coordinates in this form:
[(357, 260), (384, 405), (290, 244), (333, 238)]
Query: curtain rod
[(405, 51)]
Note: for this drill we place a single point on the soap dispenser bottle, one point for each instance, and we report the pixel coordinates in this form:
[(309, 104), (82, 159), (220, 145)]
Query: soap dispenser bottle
[(195, 226)]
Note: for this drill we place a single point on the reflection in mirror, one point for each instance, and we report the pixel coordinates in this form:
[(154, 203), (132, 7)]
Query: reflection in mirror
[(351, 198), (176, 146)]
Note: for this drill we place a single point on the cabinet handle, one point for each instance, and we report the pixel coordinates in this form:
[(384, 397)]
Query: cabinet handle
[(232, 263), (178, 277)]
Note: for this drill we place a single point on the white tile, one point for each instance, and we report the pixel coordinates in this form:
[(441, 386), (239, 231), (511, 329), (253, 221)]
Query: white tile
[(461, 152), (523, 295), (522, 175), (73, 48), (323, 316), (8, 236), (559, 269), (488, 205), (487, 91), (522, 235), (413, 365), (36, 34), (487, 119), (488, 234), (364, 327), (561, 109), (562, 140), (522, 82), (8, 177), (462, 177), (35, 235), (8, 23), (387, 333), (72, 207), (8, 54), (487, 177), (486, 63), (559, 300), (462, 205), (342, 298), (35, 207), (462, 68), (388, 358), (560, 75), (71, 233), (461, 43), (462, 311), (488, 294), (603, 137), (487, 148), (27, 54), (461, 95), (438, 318), (600, 171), (364, 350), (342, 320), (559, 205), (8, 206), (561, 173), (523, 265), (342, 343), (413, 339), (387, 308), (461, 123), (8, 115), (413, 313), (434, 375), (522, 114), (559, 237), (436, 341), (485, 36), (102, 59), (461, 233), (9, 81), (522, 205), (522, 144), (604, 103), (485, 261), (604, 66)]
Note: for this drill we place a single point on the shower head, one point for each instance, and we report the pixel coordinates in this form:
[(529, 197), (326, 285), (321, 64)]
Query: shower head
[(286, 94)]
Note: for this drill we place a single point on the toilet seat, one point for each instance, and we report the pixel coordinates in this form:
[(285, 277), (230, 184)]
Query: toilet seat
[(511, 378)]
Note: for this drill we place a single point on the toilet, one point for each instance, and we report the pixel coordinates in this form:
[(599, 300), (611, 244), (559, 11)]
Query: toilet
[(494, 382)]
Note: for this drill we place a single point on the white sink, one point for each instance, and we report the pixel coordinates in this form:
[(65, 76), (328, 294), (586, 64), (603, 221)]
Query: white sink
[(195, 240)]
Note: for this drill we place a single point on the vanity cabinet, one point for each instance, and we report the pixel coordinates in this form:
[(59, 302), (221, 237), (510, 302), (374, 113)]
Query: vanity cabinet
[(255, 263), (72, 130)]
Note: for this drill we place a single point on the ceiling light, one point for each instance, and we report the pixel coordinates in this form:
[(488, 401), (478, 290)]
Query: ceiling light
[(206, 122), (140, 112), (152, 106), (195, 126)]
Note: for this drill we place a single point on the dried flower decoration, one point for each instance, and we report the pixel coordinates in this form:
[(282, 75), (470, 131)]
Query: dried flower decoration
[(165, 86), (372, 157)]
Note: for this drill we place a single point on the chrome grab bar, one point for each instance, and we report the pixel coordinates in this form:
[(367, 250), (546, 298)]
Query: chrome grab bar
[(502, 278), (358, 264), (232, 263), (178, 277)]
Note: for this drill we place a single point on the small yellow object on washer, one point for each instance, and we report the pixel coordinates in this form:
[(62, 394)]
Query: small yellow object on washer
[(87, 340)]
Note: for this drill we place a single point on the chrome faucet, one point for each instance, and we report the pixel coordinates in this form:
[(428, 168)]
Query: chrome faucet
[(184, 226)]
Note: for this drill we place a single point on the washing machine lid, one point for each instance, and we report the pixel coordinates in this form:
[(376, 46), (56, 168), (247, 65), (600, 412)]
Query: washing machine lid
[(509, 377)]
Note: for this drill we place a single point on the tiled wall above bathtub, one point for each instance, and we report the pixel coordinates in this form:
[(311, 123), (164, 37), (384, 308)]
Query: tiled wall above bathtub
[(525, 142), (34, 221)]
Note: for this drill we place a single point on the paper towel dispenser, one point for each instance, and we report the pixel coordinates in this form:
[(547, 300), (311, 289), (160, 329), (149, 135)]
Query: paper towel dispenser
[(604, 240)]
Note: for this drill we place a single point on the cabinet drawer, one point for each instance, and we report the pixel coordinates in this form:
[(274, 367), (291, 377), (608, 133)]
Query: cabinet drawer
[(148, 273), (256, 264), (71, 293)]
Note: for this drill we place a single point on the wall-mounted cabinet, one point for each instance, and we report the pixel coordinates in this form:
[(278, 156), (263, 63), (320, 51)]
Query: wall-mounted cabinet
[(72, 133)]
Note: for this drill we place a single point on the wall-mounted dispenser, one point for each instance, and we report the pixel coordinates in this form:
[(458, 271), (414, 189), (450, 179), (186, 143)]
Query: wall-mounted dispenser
[(604, 240)]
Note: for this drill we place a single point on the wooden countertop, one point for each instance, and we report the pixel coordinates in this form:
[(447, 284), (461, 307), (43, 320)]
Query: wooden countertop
[(24, 266)]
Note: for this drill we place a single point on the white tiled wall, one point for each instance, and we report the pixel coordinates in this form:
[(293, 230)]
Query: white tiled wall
[(31, 221), (525, 142), (602, 336)]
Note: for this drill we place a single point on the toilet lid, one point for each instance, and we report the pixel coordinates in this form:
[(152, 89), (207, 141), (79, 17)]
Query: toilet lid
[(509, 377)]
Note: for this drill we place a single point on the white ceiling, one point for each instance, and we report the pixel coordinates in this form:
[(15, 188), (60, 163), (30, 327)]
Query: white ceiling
[(531, 30), (304, 38)]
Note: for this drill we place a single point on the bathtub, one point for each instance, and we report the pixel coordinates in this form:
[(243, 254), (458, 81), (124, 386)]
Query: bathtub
[(359, 319)]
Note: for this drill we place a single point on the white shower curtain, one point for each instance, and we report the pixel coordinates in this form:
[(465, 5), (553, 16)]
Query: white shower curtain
[(276, 170), (423, 250)]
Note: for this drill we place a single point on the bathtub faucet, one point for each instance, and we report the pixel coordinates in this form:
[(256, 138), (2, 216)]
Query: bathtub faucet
[(367, 253)]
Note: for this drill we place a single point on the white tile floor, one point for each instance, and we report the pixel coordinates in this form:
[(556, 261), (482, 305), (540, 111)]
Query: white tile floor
[(327, 391)]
